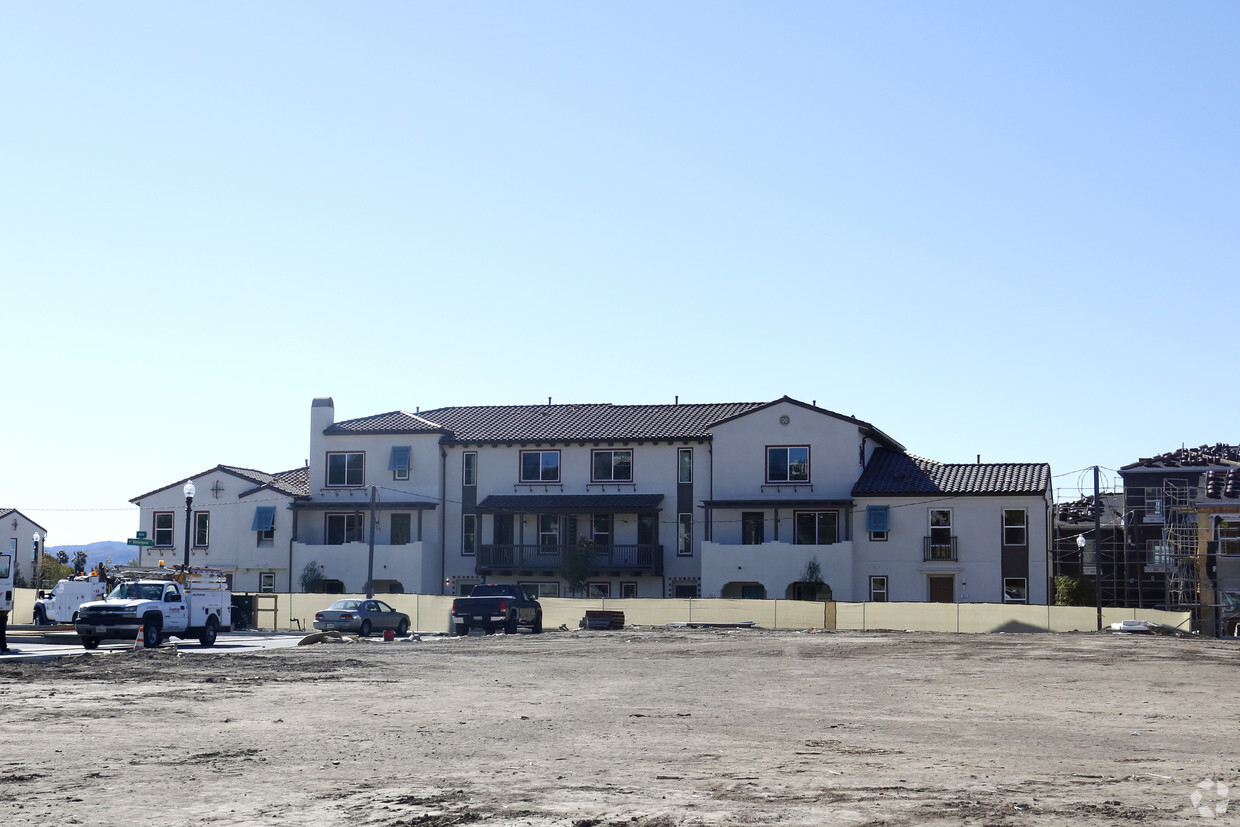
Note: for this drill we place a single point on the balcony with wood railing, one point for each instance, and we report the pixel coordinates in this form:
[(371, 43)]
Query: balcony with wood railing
[(638, 558)]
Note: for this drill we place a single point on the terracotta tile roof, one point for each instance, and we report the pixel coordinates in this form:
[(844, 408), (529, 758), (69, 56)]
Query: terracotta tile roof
[(894, 473), (554, 423)]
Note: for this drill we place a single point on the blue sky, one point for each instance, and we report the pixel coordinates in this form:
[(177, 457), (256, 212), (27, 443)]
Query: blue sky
[(987, 228)]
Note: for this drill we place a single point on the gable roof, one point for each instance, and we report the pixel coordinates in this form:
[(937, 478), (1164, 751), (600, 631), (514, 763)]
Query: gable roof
[(5, 512), (552, 423), (896, 473), (591, 422), (292, 483)]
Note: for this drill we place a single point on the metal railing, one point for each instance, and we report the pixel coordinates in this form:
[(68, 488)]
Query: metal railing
[(936, 549)]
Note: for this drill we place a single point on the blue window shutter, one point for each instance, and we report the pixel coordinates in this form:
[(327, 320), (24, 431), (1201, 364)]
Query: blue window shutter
[(876, 518), (264, 518), (400, 458)]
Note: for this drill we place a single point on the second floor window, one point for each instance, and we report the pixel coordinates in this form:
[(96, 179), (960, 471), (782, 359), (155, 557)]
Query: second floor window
[(202, 529), (684, 462), (398, 463), (787, 463), (346, 469), (1013, 527), (469, 468), (613, 466), (163, 528), (540, 466)]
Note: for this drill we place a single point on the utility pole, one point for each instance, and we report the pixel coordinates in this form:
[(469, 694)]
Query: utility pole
[(370, 562), (1097, 548)]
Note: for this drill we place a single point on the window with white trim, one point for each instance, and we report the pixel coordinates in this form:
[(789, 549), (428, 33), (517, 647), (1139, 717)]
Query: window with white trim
[(469, 534), (628, 590), (1014, 527), (469, 468), (540, 466), (537, 589), (612, 466), (877, 522), (878, 588), (600, 529), (346, 469), (684, 465), (598, 590), (1015, 590), (684, 535), (163, 524), (787, 463), (267, 582), (548, 530), (399, 461), (202, 528)]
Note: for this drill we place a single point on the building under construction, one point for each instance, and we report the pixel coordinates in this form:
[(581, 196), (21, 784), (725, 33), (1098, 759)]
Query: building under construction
[(1183, 512)]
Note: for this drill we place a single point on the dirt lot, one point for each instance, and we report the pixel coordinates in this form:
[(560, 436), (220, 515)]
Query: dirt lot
[(639, 727)]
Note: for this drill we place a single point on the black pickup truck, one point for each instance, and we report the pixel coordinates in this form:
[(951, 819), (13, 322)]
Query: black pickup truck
[(492, 606)]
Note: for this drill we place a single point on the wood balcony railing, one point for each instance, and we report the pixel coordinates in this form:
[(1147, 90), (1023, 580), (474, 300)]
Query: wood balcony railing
[(939, 549), (636, 557)]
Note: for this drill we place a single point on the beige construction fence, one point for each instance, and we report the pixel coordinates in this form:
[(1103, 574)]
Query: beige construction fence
[(430, 613)]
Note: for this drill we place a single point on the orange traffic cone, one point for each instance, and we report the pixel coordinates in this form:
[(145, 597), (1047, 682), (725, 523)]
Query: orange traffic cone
[(137, 642)]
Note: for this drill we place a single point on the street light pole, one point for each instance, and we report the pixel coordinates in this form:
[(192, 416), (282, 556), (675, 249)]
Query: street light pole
[(189, 506), (38, 563)]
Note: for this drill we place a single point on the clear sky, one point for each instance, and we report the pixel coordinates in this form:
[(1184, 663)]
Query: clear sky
[(1006, 229)]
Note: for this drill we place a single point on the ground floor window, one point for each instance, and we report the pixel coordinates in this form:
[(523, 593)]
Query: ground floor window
[(267, 582), (684, 539), (878, 588), (628, 590), (1015, 590), (539, 589), (469, 534), (598, 590), (685, 590)]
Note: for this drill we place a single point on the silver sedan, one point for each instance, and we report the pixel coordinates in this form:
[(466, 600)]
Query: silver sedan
[(361, 617)]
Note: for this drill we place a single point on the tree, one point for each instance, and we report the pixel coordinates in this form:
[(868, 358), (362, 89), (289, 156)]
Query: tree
[(578, 565), (52, 571), (62, 557), (312, 579), (1073, 591), (79, 561)]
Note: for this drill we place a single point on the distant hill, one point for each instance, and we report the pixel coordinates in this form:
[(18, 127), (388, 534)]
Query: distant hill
[(97, 553)]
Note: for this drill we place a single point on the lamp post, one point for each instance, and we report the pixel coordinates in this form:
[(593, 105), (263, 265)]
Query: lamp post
[(189, 506), (38, 563)]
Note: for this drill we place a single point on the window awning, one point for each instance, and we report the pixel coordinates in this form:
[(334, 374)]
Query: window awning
[(264, 518), (399, 460), (569, 503)]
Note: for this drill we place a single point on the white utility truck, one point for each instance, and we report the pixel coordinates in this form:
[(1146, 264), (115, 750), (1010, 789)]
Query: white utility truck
[(160, 603), (60, 605), (7, 573)]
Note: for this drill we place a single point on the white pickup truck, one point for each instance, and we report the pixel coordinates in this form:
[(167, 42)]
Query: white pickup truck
[(187, 603), (60, 605)]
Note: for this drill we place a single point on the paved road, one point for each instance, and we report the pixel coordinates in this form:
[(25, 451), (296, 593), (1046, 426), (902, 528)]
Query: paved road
[(58, 645)]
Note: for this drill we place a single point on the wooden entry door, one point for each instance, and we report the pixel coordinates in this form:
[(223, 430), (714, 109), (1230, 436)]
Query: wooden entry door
[(942, 588)]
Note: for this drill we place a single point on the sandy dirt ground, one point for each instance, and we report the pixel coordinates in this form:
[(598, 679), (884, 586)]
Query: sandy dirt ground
[(636, 727)]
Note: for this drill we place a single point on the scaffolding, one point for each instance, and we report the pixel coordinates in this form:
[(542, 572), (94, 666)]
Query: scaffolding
[(1180, 545)]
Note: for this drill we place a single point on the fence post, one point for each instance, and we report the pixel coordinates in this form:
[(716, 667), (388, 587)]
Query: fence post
[(776, 622)]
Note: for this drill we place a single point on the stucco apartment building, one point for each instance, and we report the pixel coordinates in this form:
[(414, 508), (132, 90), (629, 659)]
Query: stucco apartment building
[(778, 499)]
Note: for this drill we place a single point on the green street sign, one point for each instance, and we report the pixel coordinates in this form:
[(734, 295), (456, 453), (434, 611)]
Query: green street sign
[(141, 535), (140, 541)]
